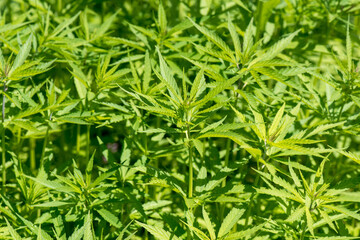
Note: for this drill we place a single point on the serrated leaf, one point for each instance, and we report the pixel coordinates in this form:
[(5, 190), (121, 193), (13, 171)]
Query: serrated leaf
[(169, 79), (215, 39), (296, 215), (245, 233), (109, 217), (157, 232), (309, 221), (162, 18), (323, 128), (348, 48), (229, 221), (22, 55), (208, 224), (12, 231), (88, 232), (235, 39), (275, 124)]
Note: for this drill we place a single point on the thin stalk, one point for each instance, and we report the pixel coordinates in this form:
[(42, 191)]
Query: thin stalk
[(3, 140), (190, 194), (223, 184), (303, 232), (251, 201), (87, 143), (45, 143), (78, 138), (32, 154), (87, 156)]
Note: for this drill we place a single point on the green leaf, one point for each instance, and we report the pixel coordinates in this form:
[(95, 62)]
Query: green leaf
[(12, 231), (109, 217), (278, 47), (88, 229), (275, 124), (236, 40), (208, 224), (296, 215), (22, 55), (162, 19), (157, 232), (169, 79), (309, 221), (245, 233), (213, 37), (230, 220), (348, 47)]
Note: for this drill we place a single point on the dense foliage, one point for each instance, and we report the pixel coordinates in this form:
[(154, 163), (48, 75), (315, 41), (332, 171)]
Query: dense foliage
[(180, 119)]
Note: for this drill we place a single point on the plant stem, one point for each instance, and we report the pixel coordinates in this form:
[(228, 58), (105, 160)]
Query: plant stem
[(45, 143), (32, 154), (78, 138), (87, 143), (190, 190), (3, 141)]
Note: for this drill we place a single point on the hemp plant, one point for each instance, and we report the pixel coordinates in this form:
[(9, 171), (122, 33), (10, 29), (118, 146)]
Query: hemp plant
[(12, 72)]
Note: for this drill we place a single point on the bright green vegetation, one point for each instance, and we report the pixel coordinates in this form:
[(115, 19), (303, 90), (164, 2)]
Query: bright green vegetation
[(181, 119)]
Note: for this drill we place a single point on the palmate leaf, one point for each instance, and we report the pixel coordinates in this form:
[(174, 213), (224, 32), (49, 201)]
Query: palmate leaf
[(351, 155), (301, 150), (277, 48), (158, 232), (62, 26), (248, 42), (198, 86), (221, 86), (309, 221), (22, 55), (88, 228), (214, 53), (343, 210), (327, 219), (169, 79), (35, 229), (235, 39), (162, 19), (276, 121), (77, 234), (324, 127), (348, 48), (114, 41), (175, 184), (284, 184), (55, 185), (244, 233), (200, 234), (296, 215), (208, 224), (208, 69), (276, 193), (230, 220), (159, 110), (104, 27), (231, 135), (109, 217), (12, 231), (213, 37)]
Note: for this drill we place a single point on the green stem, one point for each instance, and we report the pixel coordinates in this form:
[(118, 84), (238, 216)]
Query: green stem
[(3, 140), (32, 154), (87, 143), (78, 138), (303, 232), (45, 143), (190, 190)]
